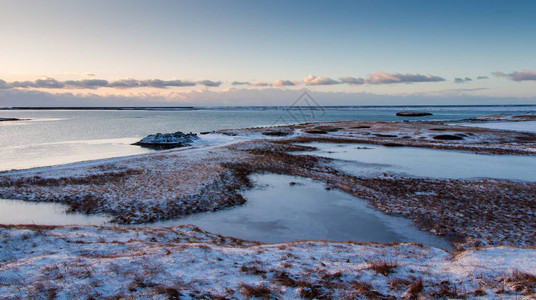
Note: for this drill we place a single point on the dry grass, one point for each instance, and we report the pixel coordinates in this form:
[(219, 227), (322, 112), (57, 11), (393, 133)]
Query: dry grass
[(366, 290), (383, 267), (522, 282), (283, 278), (313, 291), (253, 268), (257, 291), (414, 290)]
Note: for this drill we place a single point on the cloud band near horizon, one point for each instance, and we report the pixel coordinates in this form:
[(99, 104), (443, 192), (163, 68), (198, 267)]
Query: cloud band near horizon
[(377, 78), (524, 75), (51, 83)]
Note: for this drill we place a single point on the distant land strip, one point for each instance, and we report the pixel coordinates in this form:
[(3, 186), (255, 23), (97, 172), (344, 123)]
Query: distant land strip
[(102, 108)]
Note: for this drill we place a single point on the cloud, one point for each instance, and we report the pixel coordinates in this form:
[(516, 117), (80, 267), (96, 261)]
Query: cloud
[(319, 80), (381, 77), (281, 82), (240, 83), (51, 83), (124, 83), (260, 83), (209, 83), (48, 83), (462, 80), (157, 83), (86, 83), (482, 77), (518, 76), (278, 82), (89, 74), (352, 80), (244, 96)]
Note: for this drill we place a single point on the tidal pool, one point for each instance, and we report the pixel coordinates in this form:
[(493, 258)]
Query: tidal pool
[(372, 160), (277, 211), (44, 213)]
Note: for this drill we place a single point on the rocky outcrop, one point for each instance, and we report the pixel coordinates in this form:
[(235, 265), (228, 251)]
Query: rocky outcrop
[(413, 114), (448, 137), (9, 119), (506, 117), (275, 133), (168, 140)]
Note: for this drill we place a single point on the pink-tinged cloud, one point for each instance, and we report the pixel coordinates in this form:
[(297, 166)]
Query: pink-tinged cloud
[(381, 77), (51, 83), (86, 83), (240, 83), (319, 80), (524, 75), (281, 82), (278, 82), (209, 83), (244, 96), (352, 80), (260, 84)]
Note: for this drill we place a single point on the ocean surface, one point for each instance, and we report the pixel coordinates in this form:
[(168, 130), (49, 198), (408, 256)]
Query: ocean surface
[(51, 137)]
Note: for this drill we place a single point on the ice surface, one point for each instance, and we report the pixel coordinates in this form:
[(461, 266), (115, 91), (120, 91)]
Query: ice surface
[(43, 213), (373, 160), (276, 211), (524, 126)]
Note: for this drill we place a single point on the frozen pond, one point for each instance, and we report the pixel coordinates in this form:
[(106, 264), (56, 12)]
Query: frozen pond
[(523, 126), (372, 160), (276, 211), (44, 213)]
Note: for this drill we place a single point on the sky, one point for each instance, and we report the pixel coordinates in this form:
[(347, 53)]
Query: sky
[(84, 53)]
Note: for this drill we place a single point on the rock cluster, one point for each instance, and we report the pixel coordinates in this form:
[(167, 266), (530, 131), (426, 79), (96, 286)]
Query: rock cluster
[(168, 140), (413, 114)]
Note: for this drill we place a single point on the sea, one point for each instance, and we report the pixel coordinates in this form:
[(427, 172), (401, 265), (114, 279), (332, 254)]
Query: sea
[(53, 136)]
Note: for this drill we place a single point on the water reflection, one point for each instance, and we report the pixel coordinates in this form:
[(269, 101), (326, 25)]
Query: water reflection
[(372, 160), (276, 211), (44, 213)]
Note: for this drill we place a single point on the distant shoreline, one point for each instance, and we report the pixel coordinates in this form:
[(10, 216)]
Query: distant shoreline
[(101, 108), (209, 107), (9, 119)]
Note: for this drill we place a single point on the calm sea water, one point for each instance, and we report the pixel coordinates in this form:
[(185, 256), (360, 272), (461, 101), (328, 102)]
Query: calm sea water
[(51, 137)]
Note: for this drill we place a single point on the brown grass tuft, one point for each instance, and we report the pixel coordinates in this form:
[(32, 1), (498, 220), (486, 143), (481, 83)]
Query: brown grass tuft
[(383, 267), (522, 282), (365, 289), (258, 291), (414, 290)]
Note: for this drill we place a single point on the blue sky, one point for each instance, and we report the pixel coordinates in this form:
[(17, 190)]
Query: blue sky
[(388, 48)]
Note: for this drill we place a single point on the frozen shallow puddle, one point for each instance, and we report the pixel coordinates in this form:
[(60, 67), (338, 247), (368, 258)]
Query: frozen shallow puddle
[(372, 160), (44, 213), (276, 211)]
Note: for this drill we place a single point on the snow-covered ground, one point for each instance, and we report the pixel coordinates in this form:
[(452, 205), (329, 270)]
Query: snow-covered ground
[(523, 126), (86, 261), (98, 262)]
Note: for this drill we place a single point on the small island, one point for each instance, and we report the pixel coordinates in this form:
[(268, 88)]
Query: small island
[(168, 140), (9, 119), (413, 114)]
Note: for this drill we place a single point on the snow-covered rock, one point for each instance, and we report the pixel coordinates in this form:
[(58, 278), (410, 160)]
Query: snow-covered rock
[(9, 119), (168, 140)]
